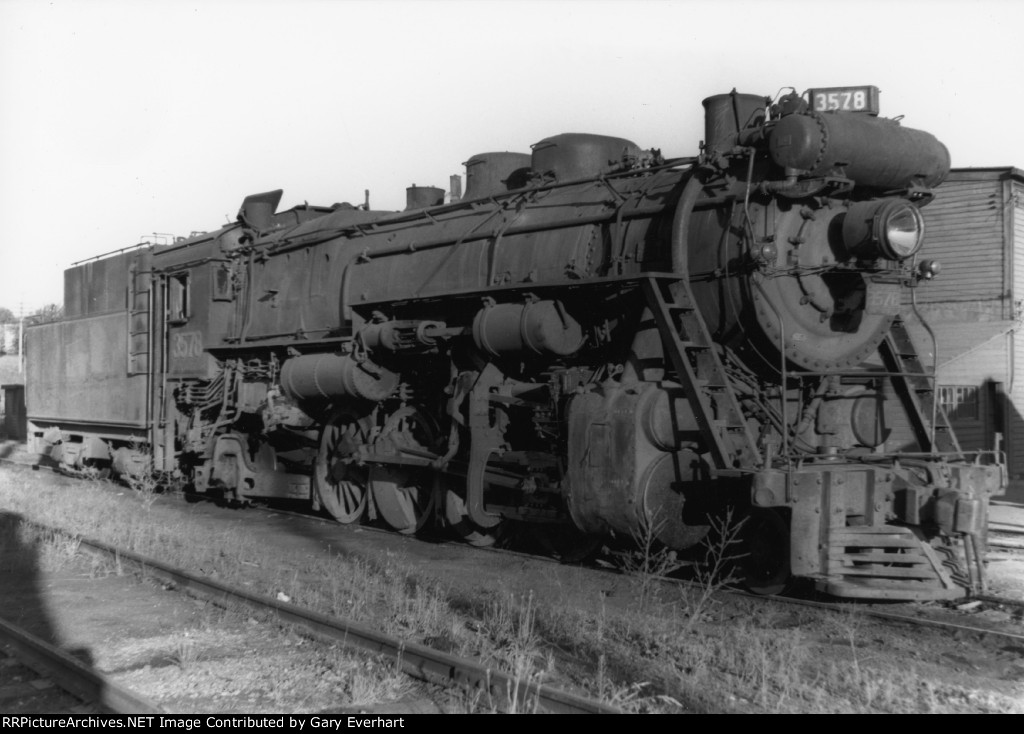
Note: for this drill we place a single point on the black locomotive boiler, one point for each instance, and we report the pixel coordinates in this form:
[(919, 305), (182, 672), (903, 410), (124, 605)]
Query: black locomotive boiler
[(594, 341)]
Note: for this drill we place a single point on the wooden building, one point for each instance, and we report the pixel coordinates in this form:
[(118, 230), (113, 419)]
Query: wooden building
[(973, 306)]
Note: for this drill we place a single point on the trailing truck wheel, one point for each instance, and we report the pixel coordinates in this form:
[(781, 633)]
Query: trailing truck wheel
[(339, 483)]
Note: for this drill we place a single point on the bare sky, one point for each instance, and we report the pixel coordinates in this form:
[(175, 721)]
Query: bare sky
[(119, 119)]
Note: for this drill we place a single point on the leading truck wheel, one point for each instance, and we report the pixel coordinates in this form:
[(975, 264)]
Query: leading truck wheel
[(764, 567), (339, 483)]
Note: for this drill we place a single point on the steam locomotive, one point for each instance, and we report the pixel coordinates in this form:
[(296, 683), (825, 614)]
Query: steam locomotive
[(595, 341)]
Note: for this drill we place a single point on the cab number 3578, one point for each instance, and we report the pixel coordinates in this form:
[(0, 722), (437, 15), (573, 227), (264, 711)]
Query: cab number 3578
[(187, 344), (851, 101)]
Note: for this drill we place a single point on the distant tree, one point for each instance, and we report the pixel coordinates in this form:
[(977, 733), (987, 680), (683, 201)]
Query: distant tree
[(46, 314), (7, 316)]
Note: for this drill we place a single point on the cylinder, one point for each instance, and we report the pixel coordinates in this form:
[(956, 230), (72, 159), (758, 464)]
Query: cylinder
[(725, 115), (871, 151), (325, 377), (542, 327)]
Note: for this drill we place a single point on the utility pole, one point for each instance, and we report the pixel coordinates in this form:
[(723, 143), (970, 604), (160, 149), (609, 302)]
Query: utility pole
[(21, 338)]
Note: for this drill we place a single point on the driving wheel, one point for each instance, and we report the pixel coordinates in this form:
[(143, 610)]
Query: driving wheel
[(339, 482)]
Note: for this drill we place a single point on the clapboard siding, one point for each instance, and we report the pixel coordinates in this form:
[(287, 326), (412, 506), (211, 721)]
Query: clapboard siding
[(1016, 213), (971, 353), (964, 231), (1015, 383), (975, 228), (969, 356), (974, 435), (973, 360), (1015, 408)]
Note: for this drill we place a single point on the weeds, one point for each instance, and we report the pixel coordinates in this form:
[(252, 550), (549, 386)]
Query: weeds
[(57, 552), (146, 485), (92, 473), (511, 628), (651, 561), (639, 662), (717, 570), (186, 654), (35, 547)]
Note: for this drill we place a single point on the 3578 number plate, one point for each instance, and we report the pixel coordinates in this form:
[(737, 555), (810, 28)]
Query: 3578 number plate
[(882, 299), (845, 99)]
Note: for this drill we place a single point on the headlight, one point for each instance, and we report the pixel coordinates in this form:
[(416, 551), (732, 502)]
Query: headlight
[(902, 230), (889, 228)]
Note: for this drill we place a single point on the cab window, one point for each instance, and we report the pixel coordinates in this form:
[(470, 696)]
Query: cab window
[(178, 298)]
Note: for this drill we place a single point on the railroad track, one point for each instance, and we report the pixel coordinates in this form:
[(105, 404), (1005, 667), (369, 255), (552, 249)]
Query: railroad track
[(958, 640), (1006, 536), (901, 618), (417, 661), (39, 677), (866, 610), (438, 667)]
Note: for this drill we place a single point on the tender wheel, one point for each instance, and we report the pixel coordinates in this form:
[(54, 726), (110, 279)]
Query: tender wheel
[(765, 566), (338, 482), (98, 470), (400, 499)]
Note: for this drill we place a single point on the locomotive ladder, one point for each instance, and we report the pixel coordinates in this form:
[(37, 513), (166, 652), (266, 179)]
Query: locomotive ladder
[(917, 390), (138, 320), (688, 346)]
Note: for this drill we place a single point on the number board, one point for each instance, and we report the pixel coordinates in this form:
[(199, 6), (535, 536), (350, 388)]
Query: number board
[(187, 353), (844, 99), (882, 299)]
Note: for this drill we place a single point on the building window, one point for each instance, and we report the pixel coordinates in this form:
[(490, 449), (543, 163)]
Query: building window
[(960, 401)]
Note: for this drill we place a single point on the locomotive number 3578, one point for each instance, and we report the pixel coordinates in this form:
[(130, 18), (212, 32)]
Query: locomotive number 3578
[(845, 99), (187, 345)]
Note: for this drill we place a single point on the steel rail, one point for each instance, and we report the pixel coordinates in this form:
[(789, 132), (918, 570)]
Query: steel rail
[(844, 607), (1006, 544), (72, 675), (1005, 527), (1003, 600), (418, 661), (892, 617)]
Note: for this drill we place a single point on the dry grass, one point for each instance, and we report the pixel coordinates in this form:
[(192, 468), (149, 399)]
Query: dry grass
[(379, 593), (668, 650)]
